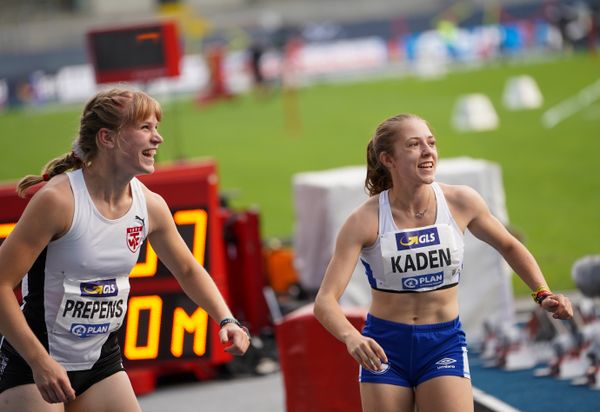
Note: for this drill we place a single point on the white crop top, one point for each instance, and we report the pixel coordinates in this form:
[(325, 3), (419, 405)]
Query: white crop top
[(418, 259)]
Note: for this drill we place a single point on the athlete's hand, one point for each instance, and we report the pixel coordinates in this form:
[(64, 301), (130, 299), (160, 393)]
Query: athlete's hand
[(237, 337), (366, 351), (52, 381), (559, 305)]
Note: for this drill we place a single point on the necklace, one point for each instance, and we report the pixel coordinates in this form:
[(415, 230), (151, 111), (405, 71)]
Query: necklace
[(419, 215)]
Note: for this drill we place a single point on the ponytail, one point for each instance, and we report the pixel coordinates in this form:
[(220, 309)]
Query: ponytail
[(378, 177), (54, 167)]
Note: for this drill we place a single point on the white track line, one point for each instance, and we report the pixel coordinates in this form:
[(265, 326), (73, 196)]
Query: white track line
[(572, 105), (490, 402)]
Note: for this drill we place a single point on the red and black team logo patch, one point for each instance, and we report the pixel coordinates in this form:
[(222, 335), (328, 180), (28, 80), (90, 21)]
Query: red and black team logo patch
[(134, 238)]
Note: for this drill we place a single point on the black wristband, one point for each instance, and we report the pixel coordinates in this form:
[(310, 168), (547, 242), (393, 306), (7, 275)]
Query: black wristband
[(237, 322), (229, 320)]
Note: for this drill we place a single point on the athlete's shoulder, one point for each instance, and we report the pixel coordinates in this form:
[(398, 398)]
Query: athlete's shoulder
[(369, 209), (158, 209), (153, 199), (57, 192), (464, 202), (362, 224), (459, 195), (52, 206)]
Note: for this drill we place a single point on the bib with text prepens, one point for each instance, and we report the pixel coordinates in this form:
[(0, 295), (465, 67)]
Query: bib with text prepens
[(420, 260), (92, 307)]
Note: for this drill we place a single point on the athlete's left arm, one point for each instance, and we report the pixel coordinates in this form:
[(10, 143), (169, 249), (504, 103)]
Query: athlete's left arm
[(486, 227), (193, 278)]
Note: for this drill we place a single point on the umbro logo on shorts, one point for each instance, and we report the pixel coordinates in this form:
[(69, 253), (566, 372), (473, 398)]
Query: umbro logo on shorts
[(446, 363)]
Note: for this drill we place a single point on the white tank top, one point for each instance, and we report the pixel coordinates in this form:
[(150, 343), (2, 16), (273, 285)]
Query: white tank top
[(415, 259), (86, 277)]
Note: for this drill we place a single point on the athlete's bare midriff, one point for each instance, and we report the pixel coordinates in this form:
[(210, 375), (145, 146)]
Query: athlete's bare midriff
[(422, 308)]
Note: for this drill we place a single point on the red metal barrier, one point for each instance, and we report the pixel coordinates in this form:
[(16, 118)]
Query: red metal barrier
[(246, 274), (319, 375)]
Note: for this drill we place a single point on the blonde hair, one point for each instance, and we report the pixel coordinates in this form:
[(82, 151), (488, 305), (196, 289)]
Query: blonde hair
[(111, 109)]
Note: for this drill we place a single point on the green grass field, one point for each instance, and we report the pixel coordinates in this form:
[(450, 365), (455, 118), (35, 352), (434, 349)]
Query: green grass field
[(551, 176)]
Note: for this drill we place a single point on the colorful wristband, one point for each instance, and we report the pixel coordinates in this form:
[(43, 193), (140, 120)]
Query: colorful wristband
[(540, 294)]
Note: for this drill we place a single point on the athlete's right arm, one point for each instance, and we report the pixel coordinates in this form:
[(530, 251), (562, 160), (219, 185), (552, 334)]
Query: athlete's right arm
[(356, 232), (45, 217)]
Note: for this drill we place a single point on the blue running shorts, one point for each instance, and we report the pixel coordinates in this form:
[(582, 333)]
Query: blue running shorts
[(417, 353)]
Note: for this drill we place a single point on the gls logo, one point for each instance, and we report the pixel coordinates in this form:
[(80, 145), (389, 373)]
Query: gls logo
[(99, 288), (417, 238)]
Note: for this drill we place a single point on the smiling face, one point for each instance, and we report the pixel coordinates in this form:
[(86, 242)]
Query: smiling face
[(118, 127), (137, 144), (414, 154)]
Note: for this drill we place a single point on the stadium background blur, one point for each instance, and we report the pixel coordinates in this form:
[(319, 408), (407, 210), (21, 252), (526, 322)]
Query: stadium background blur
[(361, 62), (364, 62)]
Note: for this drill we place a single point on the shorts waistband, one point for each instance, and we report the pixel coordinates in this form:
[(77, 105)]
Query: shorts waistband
[(452, 324)]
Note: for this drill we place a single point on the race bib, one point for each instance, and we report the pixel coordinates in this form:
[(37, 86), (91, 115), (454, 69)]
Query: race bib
[(419, 259), (92, 307)]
